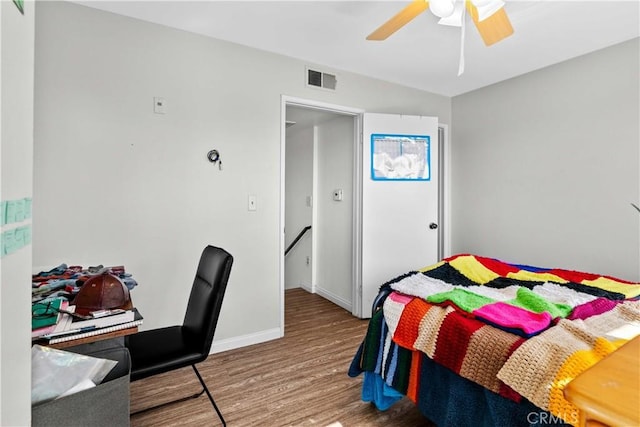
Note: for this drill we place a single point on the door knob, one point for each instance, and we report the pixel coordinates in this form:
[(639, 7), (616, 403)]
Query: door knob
[(433, 226)]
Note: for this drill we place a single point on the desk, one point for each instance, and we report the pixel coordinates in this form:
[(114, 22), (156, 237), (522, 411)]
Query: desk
[(69, 280), (608, 393)]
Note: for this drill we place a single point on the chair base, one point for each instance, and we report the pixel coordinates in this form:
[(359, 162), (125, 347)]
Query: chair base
[(182, 399)]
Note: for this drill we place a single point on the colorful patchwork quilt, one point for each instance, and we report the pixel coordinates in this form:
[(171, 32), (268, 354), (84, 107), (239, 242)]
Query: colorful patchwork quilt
[(518, 331)]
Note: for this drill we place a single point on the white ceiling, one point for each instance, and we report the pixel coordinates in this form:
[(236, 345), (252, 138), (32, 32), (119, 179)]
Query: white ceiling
[(422, 55)]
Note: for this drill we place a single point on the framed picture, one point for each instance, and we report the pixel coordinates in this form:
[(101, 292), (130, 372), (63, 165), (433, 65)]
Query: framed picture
[(20, 5), (400, 157)]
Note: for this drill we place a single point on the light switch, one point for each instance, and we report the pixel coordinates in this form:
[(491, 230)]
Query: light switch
[(252, 202), (159, 105)]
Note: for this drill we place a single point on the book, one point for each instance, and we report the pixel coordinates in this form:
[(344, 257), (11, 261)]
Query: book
[(62, 320), (45, 314), (103, 322), (70, 325), (93, 330)]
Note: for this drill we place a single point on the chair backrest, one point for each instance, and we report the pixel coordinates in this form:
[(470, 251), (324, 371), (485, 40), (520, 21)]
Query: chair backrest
[(205, 300)]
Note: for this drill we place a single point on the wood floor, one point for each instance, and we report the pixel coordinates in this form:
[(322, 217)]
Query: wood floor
[(298, 380)]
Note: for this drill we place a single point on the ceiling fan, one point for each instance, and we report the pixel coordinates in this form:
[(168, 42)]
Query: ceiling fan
[(489, 17)]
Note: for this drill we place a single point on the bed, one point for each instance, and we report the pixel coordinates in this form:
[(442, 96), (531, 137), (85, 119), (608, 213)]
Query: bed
[(477, 341)]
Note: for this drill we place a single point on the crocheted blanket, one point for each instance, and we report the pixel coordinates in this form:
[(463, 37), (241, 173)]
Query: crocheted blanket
[(523, 300), (467, 346), (516, 330), (541, 367), (392, 371)]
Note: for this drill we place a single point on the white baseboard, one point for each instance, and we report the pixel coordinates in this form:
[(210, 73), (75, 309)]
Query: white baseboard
[(219, 346), (334, 298)]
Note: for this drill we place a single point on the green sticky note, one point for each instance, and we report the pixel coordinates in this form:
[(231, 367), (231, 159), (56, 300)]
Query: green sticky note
[(3, 213), (9, 242), (19, 204), (10, 212), (18, 237), (28, 203), (26, 234)]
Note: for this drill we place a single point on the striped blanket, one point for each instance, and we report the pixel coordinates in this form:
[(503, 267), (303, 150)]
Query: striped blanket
[(516, 330)]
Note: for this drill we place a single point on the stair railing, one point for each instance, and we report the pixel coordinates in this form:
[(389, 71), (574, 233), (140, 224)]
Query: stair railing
[(298, 237)]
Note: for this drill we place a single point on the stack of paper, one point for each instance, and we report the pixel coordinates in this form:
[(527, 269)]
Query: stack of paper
[(71, 329)]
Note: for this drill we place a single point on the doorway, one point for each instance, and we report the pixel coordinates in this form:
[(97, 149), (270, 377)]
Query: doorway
[(319, 201), (439, 137)]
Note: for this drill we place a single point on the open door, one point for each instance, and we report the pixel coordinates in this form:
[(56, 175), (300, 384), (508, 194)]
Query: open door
[(399, 199)]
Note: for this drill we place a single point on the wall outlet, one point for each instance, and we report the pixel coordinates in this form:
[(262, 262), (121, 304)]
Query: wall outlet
[(308, 260)]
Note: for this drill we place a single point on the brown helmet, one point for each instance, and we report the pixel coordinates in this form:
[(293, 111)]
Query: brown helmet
[(102, 292)]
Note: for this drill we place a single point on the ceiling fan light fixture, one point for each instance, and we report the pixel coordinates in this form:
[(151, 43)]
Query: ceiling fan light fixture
[(491, 20), (480, 3), (442, 8), (455, 19), (487, 9)]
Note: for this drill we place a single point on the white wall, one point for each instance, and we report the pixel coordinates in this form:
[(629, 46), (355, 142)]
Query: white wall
[(545, 166), (298, 186), (117, 184), (335, 219), (16, 182)]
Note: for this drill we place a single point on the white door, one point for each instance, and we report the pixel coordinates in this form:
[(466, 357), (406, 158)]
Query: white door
[(399, 214)]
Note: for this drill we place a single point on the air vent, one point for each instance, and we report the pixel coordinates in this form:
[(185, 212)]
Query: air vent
[(321, 80)]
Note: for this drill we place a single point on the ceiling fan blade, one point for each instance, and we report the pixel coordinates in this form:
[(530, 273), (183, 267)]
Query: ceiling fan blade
[(415, 8), (494, 28)]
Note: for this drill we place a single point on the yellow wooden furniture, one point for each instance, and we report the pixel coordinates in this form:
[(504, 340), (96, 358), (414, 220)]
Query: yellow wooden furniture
[(608, 393)]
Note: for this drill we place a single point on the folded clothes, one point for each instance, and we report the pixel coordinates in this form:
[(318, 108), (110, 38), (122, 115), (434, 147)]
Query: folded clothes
[(54, 271), (71, 278)]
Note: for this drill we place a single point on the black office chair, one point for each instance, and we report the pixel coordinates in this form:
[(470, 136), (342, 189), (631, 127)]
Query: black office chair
[(165, 349)]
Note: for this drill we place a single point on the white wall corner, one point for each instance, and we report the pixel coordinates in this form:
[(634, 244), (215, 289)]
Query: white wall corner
[(334, 298)]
